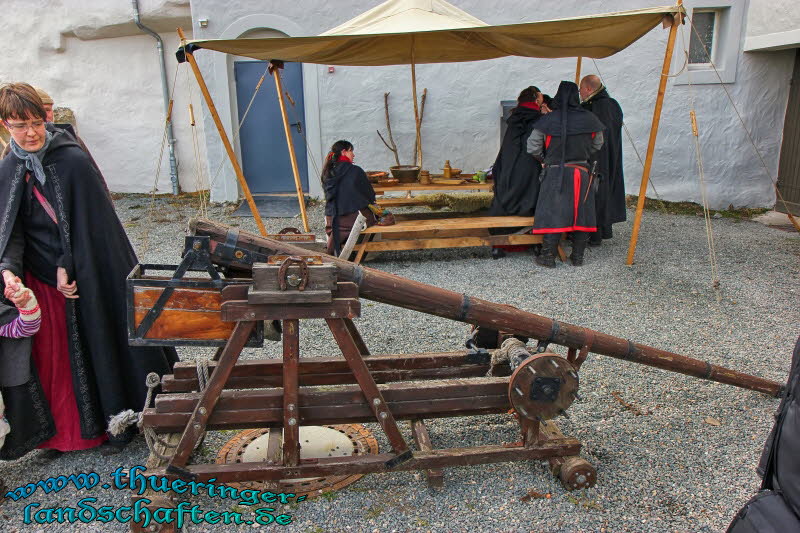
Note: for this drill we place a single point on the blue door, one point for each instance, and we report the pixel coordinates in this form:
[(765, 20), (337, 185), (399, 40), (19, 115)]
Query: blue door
[(265, 156)]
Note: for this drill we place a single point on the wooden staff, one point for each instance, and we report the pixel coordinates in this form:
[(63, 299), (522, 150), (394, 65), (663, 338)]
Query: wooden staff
[(395, 290), (223, 136), (651, 146), (578, 71), (275, 68), (416, 108)]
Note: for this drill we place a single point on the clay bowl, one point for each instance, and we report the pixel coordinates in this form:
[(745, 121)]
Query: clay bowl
[(405, 173)]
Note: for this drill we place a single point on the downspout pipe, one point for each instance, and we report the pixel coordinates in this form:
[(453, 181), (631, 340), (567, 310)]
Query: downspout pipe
[(173, 163)]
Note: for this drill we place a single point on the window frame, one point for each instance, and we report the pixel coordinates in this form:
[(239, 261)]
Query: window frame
[(727, 43)]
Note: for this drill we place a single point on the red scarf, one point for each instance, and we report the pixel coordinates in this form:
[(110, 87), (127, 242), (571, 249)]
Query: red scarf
[(343, 157), (529, 105)]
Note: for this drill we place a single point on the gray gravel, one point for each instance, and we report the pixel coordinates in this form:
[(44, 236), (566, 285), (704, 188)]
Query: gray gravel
[(666, 470)]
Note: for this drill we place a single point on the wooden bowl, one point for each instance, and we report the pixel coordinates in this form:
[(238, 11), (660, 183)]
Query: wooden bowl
[(405, 173), (374, 176)]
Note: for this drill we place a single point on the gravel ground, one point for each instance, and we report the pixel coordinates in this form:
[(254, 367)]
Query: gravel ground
[(668, 469)]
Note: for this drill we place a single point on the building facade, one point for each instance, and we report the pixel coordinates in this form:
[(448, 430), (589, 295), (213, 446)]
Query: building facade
[(105, 69)]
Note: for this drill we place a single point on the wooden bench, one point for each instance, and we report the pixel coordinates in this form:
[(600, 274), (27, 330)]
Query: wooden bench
[(436, 232)]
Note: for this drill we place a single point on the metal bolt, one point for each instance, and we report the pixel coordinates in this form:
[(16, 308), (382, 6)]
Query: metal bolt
[(292, 421), (196, 246), (532, 370), (581, 479), (290, 407), (383, 415), (203, 411), (197, 427), (554, 362), (239, 254), (376, 401), (251, 315), (518, 391)]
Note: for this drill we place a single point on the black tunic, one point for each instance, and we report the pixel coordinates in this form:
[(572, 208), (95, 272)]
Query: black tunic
[(566, 198), (347, 190), (610, 198), (515, 172), (109, 376)]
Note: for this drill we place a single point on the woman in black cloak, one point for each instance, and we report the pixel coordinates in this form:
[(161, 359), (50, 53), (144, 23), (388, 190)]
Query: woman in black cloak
[(59, 230), (563, 141), (347, 193), (515, 172)]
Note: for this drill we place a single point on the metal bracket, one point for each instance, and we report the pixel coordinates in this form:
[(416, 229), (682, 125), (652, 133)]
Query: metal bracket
[(182, 473), (399, 459)]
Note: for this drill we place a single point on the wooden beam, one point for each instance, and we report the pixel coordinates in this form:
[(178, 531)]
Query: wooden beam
[(578, 71), (651, 145), (276, 73), (223, 136)]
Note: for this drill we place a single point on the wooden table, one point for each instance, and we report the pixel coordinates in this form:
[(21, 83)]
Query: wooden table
[(421, 233), (408, 188)]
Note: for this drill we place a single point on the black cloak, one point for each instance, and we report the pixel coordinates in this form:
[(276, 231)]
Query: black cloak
[(347, 190), (515, 172), (108, 375), (610, 197)]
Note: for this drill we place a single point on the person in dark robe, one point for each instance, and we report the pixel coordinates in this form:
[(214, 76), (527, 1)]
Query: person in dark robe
[(515, 172), (564, 141), (59, 231), (610, 197), (348, 192)]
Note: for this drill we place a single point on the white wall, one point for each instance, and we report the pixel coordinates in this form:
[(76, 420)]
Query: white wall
[(112, 84), (773, 25), (462, 114)]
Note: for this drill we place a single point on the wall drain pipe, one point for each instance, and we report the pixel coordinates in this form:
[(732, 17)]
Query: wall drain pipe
[(173, 164)]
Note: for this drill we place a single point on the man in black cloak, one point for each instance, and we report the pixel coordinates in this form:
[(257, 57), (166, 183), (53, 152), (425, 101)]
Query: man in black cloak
[(564, 141), (108, 376), (515, 172), (610, 198)]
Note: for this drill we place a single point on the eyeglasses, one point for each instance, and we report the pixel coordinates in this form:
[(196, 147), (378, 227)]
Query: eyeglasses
[(25, 126)]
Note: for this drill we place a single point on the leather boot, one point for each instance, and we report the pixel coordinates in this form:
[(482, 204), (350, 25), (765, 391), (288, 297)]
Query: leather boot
[(579, 240), (549, 249)]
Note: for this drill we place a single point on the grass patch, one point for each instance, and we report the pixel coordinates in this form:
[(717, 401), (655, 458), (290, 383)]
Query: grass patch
[(693, 209)]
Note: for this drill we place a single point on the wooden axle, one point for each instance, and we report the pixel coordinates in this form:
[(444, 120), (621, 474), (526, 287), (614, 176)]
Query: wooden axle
[(395, 290)]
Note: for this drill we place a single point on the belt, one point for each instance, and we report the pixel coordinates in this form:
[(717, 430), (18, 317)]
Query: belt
[(570, 165)]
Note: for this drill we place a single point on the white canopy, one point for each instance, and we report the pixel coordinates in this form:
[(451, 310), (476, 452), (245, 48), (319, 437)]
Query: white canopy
[(435, 31)]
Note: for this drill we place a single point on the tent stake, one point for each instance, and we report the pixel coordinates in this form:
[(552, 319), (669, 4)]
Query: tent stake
[(648, 162), (418, 155), (275, 69), (223, 136), (578, 71)]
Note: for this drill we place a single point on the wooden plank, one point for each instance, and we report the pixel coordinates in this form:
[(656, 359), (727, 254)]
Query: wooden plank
[(171, 384), (190, 325), (274, 297), (345, 395), (320, 365), (418, 187), (453, 242), (291, 418), (320, 277), (196, 424), (332, 414), (365, 464), (351, 327), (422, 438), (453, 223), (339, 308), (205, 300)]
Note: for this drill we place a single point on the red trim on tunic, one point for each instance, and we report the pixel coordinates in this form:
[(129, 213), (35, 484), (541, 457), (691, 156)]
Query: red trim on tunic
[(343, 157), (50, 353), (529, 105), (547, 141), (593, 134), (576, 193)]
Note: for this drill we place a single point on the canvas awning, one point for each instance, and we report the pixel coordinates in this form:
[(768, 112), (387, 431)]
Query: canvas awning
[(438, 32)]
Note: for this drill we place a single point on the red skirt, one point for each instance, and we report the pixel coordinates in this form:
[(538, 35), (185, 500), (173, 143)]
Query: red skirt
[(50, 354)]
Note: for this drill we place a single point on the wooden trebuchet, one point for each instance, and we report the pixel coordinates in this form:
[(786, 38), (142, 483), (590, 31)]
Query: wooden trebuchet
[(395, 290)]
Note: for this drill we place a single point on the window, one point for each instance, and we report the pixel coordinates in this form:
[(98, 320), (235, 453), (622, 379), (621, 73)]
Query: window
[(702, 41), (712, 38)]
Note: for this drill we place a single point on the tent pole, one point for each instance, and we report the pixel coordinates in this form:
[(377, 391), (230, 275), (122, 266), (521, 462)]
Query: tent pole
[(578, 71), (418, 155), (276, 73), (223, 136), (648, 162)]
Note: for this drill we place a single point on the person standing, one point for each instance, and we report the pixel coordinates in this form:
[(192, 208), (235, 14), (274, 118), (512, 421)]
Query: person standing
[(564, 141), (515, 172), (610, 198), (52, 203)]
